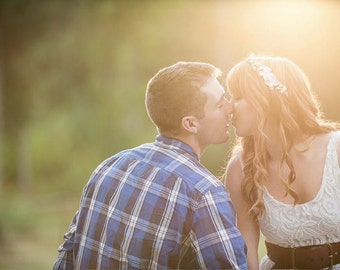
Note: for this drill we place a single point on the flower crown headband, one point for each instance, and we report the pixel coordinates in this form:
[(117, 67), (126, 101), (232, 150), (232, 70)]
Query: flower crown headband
[(266, 73)]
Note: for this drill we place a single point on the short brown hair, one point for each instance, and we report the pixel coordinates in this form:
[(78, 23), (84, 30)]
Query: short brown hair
[(174, 92)]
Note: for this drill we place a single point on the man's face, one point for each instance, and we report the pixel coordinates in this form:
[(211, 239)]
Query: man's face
[(213, 127)]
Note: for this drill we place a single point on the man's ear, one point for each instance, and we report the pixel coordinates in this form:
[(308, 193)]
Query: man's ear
[(190, 124)]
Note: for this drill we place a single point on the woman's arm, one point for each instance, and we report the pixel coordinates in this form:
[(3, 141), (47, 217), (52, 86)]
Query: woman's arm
[(246, 222)]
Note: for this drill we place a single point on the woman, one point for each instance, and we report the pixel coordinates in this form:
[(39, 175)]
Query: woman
[(284, 175)]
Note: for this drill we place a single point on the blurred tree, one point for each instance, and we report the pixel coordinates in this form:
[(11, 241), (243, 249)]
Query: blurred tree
[(1, 141), (1, 119), (75, 74), (73, 85), (16, 35)]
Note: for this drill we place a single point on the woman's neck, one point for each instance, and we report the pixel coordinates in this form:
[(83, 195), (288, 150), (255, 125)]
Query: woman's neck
[(274, 146), (273, 143)]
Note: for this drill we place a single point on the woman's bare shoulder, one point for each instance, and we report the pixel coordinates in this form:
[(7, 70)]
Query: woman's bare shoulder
[(234, 173)]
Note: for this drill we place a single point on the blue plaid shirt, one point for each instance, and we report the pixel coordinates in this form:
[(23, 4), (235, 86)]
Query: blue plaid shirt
[(153, 207)]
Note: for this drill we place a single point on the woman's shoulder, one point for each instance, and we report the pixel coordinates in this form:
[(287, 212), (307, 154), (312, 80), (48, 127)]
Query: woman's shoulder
[(322, 141), (234, 171), (334, 139)]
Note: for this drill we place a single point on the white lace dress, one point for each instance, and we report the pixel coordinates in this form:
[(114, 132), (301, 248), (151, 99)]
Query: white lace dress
[(312, 223)]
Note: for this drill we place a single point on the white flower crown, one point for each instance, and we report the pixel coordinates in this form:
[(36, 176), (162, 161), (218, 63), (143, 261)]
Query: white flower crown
[(266, 73)]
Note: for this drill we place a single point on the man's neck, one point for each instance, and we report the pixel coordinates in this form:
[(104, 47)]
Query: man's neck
[(192, 142)]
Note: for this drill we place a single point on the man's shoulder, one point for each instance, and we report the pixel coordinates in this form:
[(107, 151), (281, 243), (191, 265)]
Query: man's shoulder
[(169, 161)]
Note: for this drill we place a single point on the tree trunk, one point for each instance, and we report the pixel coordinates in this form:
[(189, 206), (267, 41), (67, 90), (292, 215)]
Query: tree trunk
[(1, 146), (1, 128), (1, 117)]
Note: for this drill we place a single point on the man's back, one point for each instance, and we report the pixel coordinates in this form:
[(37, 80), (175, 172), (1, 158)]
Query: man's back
[(155, 207)]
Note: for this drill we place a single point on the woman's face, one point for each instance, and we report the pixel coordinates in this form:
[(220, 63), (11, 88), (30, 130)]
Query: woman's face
[(244, 116)]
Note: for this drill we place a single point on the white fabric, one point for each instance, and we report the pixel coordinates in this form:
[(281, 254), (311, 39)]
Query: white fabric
[(312, 223)]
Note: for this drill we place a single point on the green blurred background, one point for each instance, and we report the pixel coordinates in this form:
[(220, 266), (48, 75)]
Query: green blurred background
[(72, 84)]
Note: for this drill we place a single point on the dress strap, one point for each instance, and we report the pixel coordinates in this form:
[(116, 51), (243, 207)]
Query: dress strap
[(337, 134), (335, 140), (332, 152)]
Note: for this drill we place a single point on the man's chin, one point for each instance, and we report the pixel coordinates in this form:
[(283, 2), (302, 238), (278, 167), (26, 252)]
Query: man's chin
[(225, 139)]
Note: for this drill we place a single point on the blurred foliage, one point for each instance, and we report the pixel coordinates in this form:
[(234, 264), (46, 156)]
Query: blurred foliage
[(73, 82)]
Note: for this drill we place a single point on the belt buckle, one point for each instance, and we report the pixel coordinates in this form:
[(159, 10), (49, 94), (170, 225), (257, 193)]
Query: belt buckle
[(293, 258), (330, 256)]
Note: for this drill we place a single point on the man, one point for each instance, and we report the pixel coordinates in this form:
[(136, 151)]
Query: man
[(156, 206)]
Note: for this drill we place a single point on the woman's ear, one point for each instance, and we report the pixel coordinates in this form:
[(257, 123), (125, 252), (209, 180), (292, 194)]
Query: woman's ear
[(190, 124)]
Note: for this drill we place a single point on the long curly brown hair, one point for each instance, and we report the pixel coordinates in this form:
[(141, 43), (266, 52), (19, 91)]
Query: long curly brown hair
[(296, 113)]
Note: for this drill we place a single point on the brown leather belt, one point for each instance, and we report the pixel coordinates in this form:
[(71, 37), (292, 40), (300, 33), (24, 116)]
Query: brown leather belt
[(309, 257)]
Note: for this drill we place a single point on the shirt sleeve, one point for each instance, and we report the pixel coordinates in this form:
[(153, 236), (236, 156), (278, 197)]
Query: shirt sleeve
[(65, 257), (216, 239)]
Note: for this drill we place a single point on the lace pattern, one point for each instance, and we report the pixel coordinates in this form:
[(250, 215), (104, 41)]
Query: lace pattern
[(312, 223)]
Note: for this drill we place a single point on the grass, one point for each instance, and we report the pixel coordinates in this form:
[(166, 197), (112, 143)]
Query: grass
[(32, 229)]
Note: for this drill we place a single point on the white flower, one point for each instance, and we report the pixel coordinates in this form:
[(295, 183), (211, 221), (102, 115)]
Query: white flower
[(266, 73)]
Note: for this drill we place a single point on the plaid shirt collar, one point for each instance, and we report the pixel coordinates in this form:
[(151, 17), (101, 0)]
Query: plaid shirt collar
[(178, 144)]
